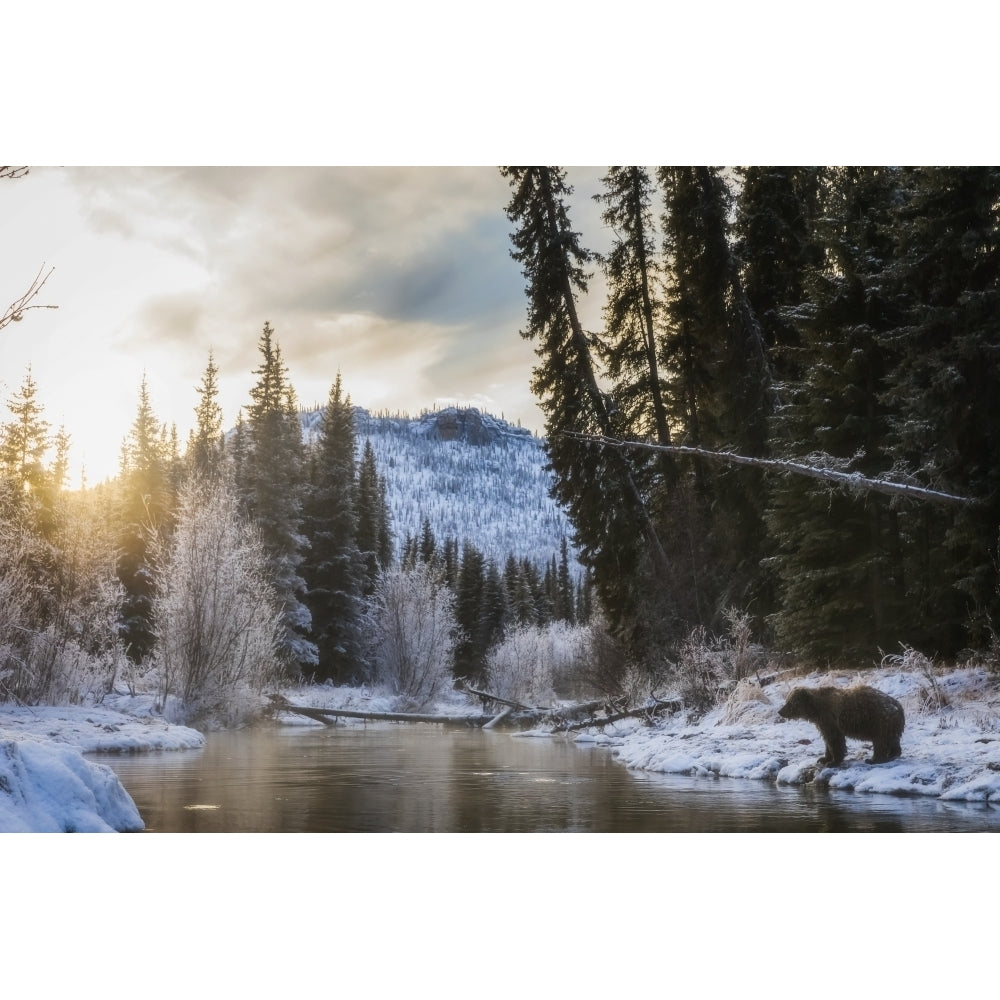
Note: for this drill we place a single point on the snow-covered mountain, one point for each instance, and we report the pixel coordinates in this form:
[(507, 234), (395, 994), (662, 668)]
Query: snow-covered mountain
[(474, 476)]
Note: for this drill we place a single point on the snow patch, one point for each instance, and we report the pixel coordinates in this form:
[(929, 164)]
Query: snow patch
[(48, 788)]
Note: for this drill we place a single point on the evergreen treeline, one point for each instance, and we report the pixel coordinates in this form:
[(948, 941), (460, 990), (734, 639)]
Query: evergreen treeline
[(490, 601), (843, 317), (233, 560)]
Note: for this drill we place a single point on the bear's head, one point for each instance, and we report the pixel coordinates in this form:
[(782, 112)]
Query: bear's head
[(799, 705)]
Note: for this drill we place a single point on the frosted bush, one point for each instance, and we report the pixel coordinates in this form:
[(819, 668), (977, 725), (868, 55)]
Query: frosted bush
[(412, 630), (533, 660), (58, 616), (932, 697), (216, 614), (747, 703), (709, 666)]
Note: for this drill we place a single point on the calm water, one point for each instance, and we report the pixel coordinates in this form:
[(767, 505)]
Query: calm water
[(424, 778)]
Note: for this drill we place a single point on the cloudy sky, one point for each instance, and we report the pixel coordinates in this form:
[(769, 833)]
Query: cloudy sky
[(398, 277)]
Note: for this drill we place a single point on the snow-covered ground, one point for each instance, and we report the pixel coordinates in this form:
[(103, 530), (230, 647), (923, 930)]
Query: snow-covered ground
[(46, 785), (951, 744)]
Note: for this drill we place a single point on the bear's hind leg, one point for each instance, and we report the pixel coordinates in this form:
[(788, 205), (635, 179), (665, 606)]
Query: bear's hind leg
[(885, 751)]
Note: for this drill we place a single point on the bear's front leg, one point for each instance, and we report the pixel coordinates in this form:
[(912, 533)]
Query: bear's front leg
[(836, 749)]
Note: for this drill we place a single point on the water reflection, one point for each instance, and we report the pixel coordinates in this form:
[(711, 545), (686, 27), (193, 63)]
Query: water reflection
[(422, 778)]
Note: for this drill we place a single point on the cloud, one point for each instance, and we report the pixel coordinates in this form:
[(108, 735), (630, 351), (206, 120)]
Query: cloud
[(400, 278)]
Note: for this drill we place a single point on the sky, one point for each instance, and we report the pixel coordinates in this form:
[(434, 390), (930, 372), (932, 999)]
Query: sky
[(397, 276), (400, 278)]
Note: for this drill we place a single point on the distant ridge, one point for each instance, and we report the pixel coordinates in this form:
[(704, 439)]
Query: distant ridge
[(473, 476)]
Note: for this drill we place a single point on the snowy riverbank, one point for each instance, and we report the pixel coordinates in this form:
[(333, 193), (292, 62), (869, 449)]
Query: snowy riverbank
[(951, 744), (48, 786)]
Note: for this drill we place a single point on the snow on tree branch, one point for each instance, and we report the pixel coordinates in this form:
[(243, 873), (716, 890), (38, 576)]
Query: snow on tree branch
[(852, 480)]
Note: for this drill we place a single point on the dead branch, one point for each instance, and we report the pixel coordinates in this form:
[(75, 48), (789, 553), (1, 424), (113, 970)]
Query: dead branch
[(16, 310), (851, 480), (485, 696)]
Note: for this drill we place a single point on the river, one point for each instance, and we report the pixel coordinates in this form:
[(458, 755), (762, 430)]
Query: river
[(426, 778)]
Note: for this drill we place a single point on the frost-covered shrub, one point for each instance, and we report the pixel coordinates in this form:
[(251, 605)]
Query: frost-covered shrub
[(215, 612), (932, 698), (709, 666), (412, 632), (59, 603), (747, 703), (534, 662)]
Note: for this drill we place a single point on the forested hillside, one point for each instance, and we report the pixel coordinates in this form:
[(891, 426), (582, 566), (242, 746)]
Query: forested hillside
[(472, 476)]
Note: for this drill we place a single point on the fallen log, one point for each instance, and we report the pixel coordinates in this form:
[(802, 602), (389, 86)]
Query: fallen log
[(325, 715), (486, 696), (646, 712), (511, 714), (499, 717)]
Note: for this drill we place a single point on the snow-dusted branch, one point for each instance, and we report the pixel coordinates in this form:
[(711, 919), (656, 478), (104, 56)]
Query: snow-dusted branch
[(851, 480), (16, 310)]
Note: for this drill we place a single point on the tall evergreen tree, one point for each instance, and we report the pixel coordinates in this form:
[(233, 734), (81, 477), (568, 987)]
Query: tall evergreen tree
[(944, 394), (334, 569), (25, 439), (520, 600), (274, 482), (837, 555), (374, 532), (721, 391), (28, 487), (634, 311), (493, 610), (776, 247), (565, 595), (614, 530), (469, 652), (145, 503), (207, 447)]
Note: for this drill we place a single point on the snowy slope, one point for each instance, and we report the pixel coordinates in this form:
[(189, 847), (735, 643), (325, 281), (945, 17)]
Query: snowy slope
[(474, 476)]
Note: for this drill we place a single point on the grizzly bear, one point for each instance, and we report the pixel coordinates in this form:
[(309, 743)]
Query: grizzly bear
[(862, 713)]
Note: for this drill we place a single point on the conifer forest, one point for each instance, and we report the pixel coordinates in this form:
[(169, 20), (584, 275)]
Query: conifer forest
[(789, 412)]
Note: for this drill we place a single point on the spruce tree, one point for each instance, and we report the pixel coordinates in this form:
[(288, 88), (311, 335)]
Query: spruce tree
[(775, 244), (374, 532), (207, 448), (566, 600), (469, 654), (273, 487), (24, 441), (633, 314), (837, 556), (333, 569), (720, 387), (944, 394), (145, 503), (493, 611), (614, 530)]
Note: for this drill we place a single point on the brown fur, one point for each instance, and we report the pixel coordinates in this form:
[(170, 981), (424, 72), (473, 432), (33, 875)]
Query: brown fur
[(861, 713)]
